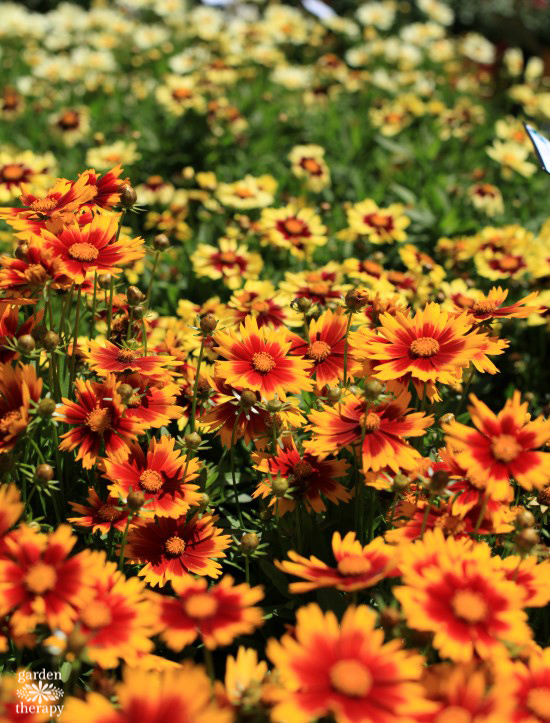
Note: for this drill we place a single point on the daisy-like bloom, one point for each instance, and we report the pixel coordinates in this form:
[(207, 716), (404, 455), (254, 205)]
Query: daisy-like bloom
[(39, 582), (345, 670), (184, 695), (531, 576), (503, 445), (172, 548), (260, 299), (250, 192), (321, 285), (379, 225), (107, 187), (485, 308), (529, 683), (512, 157), (29, 275), (309, 476), (162, 474), (98, 418), (93, 247), (21, 168), (19, 386), (487, 198), (260, 360), (377, 432), (10, 328), (299, 230), (308, 162), (230, 261), (244, 677), (100, 516), (11, 508), (216, 616), (357, 567), (71, 125), (466, 601), (325, 347), (498, 264), (105, 358), (120, 153), (150, 405), (421, 264)]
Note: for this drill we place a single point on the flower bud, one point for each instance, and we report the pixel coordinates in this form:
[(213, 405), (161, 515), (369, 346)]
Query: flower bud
[(400, 482), (208, 323), (447, 418), (192, 440), (373, 388), (274, 405), (50, 340), (356, 299), (46, 407), (139, 312), (279, 486), (248, 399), (128, 196), (44, 473), (543, 497), (439, 480), (126, 392), (22, 252), (161, 242), (334, 394), (104, 281), (527, 539), (136, 500), (525, 519), (134, 295), (76, 643), (26, 344), (204, 501), (249, 542), (302, 304), (266, 514)]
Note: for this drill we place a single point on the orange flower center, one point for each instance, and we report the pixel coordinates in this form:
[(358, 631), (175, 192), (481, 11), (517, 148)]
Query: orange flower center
[(83, 252), (12, 172), (351, 678), (99, 420), (320, 288), (353, 565), (263, 362), (40, 578), (8, 419), (294, 226), (371, 422), (470, 606), (229, 257), (484, 306), (509, 263), (42, 205), (181, 94), (96, 614), (311, 165), (155, 181), (262, 307), (425, 347), (109, 513), (201, 605), (302, 469), (454, 714), (505, 447), (69, 120), (175, 546), (319, 351), (538, 701), (243, 193), (151, 481), (378, 220), (125, 356)]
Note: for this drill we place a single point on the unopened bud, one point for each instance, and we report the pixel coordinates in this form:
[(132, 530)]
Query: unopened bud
[(134, 295), (249, 542), (128, 196), (161, 242), (447, 418), (439, 480), (208, 323), (527, 539), (373, 388), (274, 405), (334, 394), (266, 514), (192, 440), (248, 399), (22, 252), (50, 340), (126, 392), (400, 482), (279, 486), (26, 344), (44, 473), (302, 304), (136, 500), (76, 642), (104, 281), (204, 501), (356, 299), (389, 618), (525, 519), (139, 312), (46, 407)]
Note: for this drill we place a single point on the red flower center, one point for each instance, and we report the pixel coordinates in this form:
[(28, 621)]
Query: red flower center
[(96, 614), (302, 469), (99, 420), (319, 351), (109, 513), (351, 677), (83, 252), (354, 565), (505, 447), (538, 701), (425, 346), (151, 480), (201, 605), (263, 362), (454, 714), (175, 546), (371, 422), (42, 205), (40, 578), (469, 605), (484, 307)]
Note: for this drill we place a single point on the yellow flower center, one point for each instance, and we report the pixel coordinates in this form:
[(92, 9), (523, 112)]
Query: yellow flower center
[(109, 513), (202, 605), (470, 606), (371, 422), (151, 481), (484, 306), (354, 565), (96, 614), (99, 420), (125, 356), (319, 351), (425, 347), (505, 447), (454, 714), (263, 362), (351, 678), (42, 205), (83, 252), (538, 701), (8, 419), (12, 172), (175, 546), (40, 578)]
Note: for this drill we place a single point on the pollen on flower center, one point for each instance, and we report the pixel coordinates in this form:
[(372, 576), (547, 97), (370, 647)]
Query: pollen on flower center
[(12, 172), (99, 420), (8, 419), (201, 605), (371, 422), (470, 606), (263, 362), (175, 546), (505, 447), (40, 578), (378, 220), (425, 347), (350, 677), (151, 480), (302, 469), (109, 513), (538, 701), (484, 307), (83, 252), (96, 614), (261, 306), (294, 226), (454, 714), (36, 274), (354, 565), (319, 351), (41, 205), (125, 356)]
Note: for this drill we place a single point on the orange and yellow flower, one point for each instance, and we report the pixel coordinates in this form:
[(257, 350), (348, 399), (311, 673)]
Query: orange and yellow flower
[(325, 347), (99, 515), (300, 230), (379, 225), (106, 358), (19, 387)]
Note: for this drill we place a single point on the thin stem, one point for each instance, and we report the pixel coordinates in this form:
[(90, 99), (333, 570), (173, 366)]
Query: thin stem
[(94, 306), (426, 515), (209, 663), (123, 544), (153, 272), (144, 335), (110, 308), (346, 351), (75, 339), (130, 322), (196, 387), (247, 569), (481, 513), (233, 480)]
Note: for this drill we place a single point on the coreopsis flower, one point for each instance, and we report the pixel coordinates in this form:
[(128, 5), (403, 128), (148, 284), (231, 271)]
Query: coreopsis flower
[(248, 193), (378, 224), (11, 329), (152, 405), (490, 306), (466, 601), (310, 477), (107, 187), (357, 566), (321, 285), (325, 346), (172, 548), (120, 153), (186, 693), (532, 576), (300, 230), (29, 275), (98, 418), (308, 162), (39, 582), (179, 94), (503, 446), (487, 198), (376, 432), (19, 386), (512, 157), (71, 125), (260, 360), (105, 358), (529, 684), (244, 677), (229, 261), (421, 264), (261, 300), (98, 515), (215, 615), (163, 474), (496, 264), (345, 670), (93, 247), (11, 508), (25, 167)]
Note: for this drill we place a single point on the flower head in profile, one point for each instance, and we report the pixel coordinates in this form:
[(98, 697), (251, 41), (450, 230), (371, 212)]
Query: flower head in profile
[(19, 387), (490, 306), (106, 358), (106, 188), (244, 678), (11, 508)]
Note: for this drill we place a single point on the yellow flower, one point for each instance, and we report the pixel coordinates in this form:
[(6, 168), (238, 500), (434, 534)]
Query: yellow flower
[(378, 224), (298, 230)]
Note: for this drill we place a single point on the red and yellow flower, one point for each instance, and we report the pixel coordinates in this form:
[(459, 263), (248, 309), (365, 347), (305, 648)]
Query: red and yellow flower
[(19, 388), (99, 515), (379, 225), (325, 347), (106, 358), (300, 230), (229, 261), (490, 306), (529, 684)]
